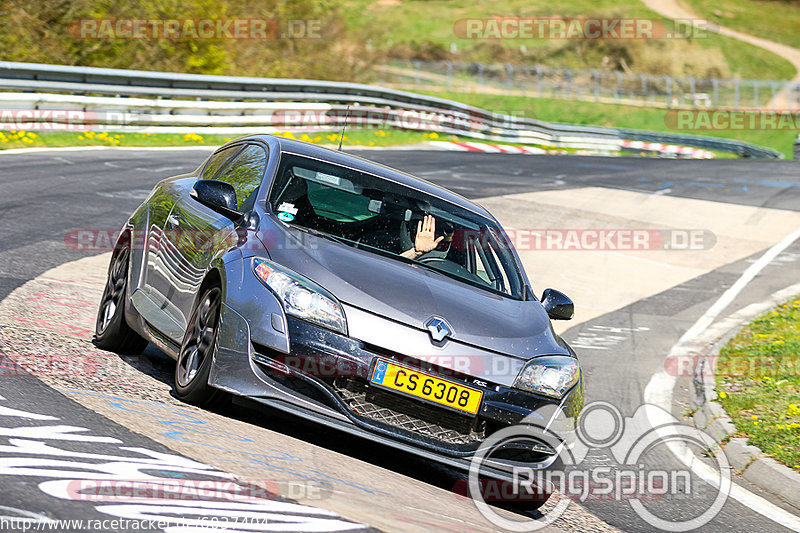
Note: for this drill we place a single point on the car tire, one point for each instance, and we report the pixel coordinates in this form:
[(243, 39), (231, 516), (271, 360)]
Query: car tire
[(197, 353), (112, 331)]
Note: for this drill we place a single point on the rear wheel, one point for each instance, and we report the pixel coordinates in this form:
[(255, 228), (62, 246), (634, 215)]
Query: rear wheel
[(112, 331), (197, 353)]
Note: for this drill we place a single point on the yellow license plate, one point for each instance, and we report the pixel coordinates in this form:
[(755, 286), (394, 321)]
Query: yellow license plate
[(426, 387)]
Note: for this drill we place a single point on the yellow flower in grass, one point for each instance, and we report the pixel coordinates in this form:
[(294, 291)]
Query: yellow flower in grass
[(722, 394), (754, 417)]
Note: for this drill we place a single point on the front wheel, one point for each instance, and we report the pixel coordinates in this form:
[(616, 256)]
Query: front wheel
[(197, 352), (112, 331)]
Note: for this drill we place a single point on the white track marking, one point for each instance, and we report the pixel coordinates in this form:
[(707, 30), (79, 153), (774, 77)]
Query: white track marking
[(733, 291), (659, 389)]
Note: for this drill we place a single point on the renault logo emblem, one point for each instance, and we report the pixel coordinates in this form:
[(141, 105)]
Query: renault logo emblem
[(438, 328)]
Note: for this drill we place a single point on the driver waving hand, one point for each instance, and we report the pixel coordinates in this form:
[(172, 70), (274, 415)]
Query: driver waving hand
[(426, 239)]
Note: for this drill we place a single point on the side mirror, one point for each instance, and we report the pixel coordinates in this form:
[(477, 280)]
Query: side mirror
[(218, 195), (557, 305)]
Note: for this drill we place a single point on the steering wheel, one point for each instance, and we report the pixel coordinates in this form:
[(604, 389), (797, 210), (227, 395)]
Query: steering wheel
[(432, 260)]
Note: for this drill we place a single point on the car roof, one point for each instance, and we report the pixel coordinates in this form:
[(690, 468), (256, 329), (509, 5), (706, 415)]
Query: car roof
[(359, 163)]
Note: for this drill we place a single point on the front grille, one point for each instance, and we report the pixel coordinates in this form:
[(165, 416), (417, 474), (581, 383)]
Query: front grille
[(407, 414)]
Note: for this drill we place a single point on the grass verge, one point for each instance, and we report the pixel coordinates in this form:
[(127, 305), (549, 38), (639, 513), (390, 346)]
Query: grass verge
[(759, 384), (775, 20), (612, 115), (352, 138)]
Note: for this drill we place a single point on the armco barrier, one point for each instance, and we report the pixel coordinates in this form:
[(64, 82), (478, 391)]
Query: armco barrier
[(169, 102)]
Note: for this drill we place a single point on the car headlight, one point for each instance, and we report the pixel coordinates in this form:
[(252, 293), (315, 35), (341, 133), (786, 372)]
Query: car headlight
[(551, 375), (301, 297)]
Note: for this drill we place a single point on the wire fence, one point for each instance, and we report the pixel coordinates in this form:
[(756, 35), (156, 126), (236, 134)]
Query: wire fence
[(592, 85)]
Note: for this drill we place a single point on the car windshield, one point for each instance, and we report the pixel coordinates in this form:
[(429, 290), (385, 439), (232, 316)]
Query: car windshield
[(381, 216)]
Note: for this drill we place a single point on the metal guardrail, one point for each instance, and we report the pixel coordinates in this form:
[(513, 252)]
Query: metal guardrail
[(797, 148), (158, 101)]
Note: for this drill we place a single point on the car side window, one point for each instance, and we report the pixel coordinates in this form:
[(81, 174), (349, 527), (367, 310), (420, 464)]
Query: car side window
[(245, 173), (217, 161)]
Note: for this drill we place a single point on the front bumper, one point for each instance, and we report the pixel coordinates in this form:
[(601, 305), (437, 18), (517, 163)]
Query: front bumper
[(324, 377)]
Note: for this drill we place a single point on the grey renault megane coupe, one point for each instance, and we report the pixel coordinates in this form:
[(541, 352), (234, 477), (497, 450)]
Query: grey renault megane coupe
[(345, 292)]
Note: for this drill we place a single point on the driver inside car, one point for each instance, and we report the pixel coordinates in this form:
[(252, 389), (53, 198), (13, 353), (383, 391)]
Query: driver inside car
[(427, 243)]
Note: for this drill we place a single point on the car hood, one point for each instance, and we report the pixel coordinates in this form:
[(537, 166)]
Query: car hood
[(412, 294)]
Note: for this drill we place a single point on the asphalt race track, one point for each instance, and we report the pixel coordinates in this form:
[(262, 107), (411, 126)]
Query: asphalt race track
[(118, 418)]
